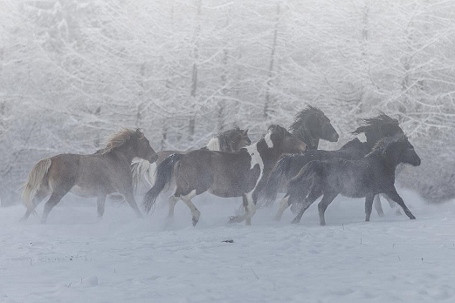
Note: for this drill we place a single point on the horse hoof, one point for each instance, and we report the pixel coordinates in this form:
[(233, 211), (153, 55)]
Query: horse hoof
[(195, 221), (233, 219), (295, 221), (412, 217)]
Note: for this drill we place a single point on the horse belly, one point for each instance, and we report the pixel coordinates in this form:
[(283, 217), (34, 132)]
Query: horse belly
[(85, 192), (228, 189)]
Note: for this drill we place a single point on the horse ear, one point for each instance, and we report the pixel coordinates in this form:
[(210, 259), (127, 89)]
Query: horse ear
[(245, 132), (139, 133)]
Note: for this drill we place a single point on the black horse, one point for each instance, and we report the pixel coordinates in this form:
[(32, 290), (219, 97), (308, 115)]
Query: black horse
[(289, 166), (311, 125), (367, 177)]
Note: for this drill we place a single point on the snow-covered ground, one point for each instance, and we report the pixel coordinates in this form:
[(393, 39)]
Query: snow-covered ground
[(76, 258)]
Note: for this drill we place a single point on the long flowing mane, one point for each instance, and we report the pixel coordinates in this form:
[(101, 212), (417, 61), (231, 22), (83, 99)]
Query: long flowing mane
[(381, 147), (297, 127), (118, 140), (372, 124)]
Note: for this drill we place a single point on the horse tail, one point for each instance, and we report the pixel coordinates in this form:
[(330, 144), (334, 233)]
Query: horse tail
[(300, 186), (35, 180), (276, 176), (163, 176), (143, 170)]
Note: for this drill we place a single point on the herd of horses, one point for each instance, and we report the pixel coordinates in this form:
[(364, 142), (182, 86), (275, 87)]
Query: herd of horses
[(282, 161)]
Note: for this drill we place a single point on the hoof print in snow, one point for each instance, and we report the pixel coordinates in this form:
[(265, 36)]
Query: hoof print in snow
[(228, 241)]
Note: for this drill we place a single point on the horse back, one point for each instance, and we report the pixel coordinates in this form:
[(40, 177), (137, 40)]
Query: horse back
[(223, 174)]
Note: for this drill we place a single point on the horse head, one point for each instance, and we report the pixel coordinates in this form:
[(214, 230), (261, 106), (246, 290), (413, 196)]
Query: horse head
[(143, 148), (284, 141), (234, 139), (311, 124), (398, 149)]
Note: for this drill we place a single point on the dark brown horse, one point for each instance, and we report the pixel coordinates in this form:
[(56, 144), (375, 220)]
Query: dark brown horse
[(240, 174), (310, 125), (96, 175)]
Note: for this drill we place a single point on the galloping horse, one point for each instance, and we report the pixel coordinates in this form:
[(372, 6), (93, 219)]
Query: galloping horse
[(310, 125), (289, 166), (367, 177), (96, 175), (224, 174), (231, 140)]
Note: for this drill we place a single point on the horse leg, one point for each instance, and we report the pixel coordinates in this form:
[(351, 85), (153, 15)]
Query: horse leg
[(40, 195), (195, 213), (393, 205), (172, 201), (55, 197), (240, 217), (378, 206), (314, 194), (322, 206), (368, 205), (396, 197), (250, 208), (129, 197), (100, 204), (284, 204)]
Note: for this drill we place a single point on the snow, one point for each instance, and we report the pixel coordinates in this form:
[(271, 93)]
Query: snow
[(78, 258)]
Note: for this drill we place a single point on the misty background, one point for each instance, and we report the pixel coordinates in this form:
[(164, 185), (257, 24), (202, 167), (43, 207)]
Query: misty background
[(73, 72)]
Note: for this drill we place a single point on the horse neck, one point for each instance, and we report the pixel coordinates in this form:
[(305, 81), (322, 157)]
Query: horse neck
[(123, 153), (307, 138), (389, 164), (269, 155)]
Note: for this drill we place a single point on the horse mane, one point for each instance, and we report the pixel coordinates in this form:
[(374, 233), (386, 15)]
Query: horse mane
[(298, 123), (275, 128), (119, 139), (228, 132), (353, 143), (371, 124), (383, 145)]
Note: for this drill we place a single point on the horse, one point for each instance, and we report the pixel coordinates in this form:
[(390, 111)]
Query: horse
[(366, 177), (290, 165), (95, 175), (231, 140), (223, 174), (311, 125)]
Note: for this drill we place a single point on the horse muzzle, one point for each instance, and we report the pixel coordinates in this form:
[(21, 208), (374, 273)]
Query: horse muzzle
[(334, 137)]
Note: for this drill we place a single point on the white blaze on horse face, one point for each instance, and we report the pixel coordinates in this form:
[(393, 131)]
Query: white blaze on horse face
[(362, 137), (268, 140), (255, 157), (214, 144)]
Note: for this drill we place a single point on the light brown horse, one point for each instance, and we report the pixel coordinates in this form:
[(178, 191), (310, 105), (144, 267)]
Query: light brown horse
[(96, 175)]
